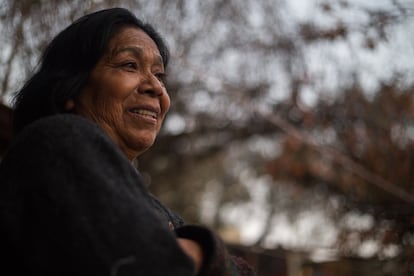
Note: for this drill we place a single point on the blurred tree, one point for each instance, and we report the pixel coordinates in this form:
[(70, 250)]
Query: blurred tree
[(371, 166)]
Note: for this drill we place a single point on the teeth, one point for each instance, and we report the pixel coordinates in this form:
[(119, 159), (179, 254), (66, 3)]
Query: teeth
[(144, 112)]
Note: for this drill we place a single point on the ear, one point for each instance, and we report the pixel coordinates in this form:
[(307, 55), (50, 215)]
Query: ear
[(69, 105)]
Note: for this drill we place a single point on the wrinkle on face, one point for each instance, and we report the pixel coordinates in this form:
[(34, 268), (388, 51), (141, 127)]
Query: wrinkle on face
[(127, 76)]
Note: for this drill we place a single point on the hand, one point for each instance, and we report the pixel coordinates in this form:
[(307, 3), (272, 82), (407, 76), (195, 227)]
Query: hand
[(193, 250)]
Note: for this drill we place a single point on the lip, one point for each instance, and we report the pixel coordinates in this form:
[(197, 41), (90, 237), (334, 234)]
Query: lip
[(145, 112)]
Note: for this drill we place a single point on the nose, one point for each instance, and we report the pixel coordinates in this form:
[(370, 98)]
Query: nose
[(152, 86)]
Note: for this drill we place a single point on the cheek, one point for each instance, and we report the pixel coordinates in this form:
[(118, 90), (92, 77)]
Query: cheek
[(111, 82), (102, 101), (111, 109), (114, 85)]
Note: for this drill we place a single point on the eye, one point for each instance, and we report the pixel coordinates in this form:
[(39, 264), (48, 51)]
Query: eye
[(131, 65)]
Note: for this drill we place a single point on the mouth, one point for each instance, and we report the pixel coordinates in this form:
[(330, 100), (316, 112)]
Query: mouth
[(144, 112), (148, 114)]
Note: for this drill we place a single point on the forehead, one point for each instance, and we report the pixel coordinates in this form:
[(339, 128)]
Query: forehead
[(130, 36)]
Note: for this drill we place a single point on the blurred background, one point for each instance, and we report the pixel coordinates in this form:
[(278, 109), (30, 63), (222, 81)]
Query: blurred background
[(291, 131)]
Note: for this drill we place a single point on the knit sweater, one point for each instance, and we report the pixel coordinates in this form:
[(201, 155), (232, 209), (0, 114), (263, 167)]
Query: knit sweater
[(72, 204)]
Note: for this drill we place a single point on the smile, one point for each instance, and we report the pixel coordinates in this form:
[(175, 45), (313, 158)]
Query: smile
[(144, 113)]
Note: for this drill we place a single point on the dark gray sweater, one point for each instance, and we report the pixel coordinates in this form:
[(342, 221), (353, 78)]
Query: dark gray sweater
[(72, 204)]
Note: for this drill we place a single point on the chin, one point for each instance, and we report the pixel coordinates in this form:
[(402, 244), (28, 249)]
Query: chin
[(143, 146), (140, 142)]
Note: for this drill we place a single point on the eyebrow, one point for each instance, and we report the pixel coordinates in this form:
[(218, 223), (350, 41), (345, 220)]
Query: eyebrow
[(137, 51)]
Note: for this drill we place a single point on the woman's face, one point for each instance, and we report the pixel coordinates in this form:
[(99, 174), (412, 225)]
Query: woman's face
[(125, 93)]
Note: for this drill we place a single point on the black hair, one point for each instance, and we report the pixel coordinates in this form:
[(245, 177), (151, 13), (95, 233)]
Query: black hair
[(68, 60)]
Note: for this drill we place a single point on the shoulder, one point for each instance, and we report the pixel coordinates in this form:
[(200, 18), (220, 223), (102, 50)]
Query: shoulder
[(60, 125), (63, 137), (70, 149), (61, 130)]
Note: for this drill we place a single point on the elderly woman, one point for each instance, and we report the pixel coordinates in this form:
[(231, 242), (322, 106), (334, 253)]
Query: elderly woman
[(71, 203)]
